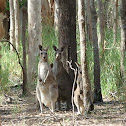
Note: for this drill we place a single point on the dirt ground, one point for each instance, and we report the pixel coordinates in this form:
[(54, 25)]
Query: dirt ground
[(22, 112)]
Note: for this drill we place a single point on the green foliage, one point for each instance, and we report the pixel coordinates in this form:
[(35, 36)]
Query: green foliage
[(21, 3), (110, 65), (49, 38), (10, 71)]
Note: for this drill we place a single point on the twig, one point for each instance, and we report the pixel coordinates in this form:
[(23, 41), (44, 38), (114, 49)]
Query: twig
[(56, 118), (19, 61), (75, 73), (45, 120)]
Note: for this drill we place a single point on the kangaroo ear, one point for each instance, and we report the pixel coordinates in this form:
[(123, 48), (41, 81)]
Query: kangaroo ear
[(62, 48), (54, 47), (40, 47), (47, 48)]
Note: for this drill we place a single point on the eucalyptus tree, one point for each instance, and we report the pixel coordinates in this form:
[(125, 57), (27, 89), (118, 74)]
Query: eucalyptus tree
[(34, 38), (97, 85), (88, 102), (123, 40), (67, 33), (12, 23)]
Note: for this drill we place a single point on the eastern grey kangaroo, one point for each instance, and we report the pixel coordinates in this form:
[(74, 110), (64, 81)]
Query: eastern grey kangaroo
[(47, 88), (78, 93), (63, 80)]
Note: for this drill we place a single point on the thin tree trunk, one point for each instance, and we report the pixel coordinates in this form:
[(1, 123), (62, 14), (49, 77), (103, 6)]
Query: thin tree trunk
[(16, 13), (67, 33), (34, 38), (51, 5), (56, 15), (88, 21), (115, 22), (2, 30), (101, 23), (123, 40), (88, 103), (24, 23), (12, 24), (2, 5), (97, 85)]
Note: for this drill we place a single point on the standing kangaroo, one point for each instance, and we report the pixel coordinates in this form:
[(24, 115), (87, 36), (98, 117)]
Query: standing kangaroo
[(78, 93), (63, 80), (46, 89)]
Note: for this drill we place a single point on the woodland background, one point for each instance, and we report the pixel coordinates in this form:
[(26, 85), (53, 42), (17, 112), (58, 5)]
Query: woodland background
[(51, 22)]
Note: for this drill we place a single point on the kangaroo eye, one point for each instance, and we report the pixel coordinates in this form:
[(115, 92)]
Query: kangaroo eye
[(46, 53)]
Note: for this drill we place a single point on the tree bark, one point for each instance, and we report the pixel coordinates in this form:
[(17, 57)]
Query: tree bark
[(115, 28), (24, 23), (47, 16), (56, 15), (123, 40), (97, 85), (88, 21), (88, 103), (67, 33), (34, 38), (2, 30), (16, 14), (12, 24), (101, 23), (2, 5)]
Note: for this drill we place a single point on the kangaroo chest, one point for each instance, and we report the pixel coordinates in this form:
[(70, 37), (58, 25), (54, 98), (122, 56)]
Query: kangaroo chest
[(57, 68), (43, 70)]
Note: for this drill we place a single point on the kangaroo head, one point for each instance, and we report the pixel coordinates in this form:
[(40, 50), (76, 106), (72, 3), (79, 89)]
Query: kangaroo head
[(58, 52), (43, 53)]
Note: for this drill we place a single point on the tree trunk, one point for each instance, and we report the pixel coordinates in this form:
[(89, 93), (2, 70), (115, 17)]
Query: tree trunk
[(56, 15), (115, 22), (67, 33), (88, 21), (51, 5), (34, 38), (2, 30), (101, 23), (97, 85), (12, 24), (2, 5), (88, 103), (47, 19), (24, 23), (16, 13), (123, 40)]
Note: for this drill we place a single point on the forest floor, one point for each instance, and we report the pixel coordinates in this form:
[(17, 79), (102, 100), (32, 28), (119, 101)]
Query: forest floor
[(22, 112)]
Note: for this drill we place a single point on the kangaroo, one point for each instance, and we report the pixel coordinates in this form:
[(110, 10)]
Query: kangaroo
[(78, 93), (47, 88), (63, 80)]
